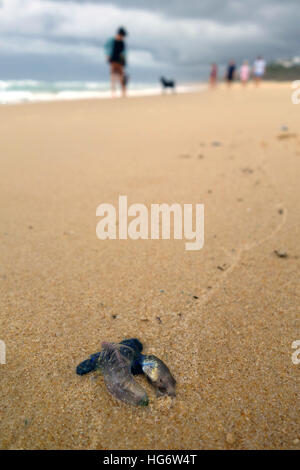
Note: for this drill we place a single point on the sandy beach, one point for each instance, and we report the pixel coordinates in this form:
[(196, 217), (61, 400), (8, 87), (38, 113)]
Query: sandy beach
[(223, 318)]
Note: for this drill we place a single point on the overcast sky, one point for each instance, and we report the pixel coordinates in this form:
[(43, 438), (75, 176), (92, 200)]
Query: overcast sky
[(63, 39)]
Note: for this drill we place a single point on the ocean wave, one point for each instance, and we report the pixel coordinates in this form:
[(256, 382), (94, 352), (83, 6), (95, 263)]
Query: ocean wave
[(28, 91)]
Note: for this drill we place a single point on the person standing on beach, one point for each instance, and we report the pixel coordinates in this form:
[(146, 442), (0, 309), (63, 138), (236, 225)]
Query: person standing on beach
[(115, 49), (245, 73), (213, 77), (230, 74), (259, 68)]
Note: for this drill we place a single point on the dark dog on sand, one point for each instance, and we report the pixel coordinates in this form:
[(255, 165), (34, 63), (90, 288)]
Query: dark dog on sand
[(167, 84)]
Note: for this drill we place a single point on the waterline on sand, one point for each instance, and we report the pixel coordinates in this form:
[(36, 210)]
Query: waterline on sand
[(31, 91)]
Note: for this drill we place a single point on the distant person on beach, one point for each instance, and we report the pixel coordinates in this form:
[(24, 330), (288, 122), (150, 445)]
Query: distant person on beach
[(213, 77), (230, 73), (259, 68), (115, 49), (245, 73)]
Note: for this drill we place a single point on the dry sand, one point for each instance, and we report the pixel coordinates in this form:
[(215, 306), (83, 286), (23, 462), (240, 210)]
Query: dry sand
[(63, 291)]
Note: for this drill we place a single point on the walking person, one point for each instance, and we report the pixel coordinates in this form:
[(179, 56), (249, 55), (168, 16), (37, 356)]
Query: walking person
[(230, 73), (245, 73), (213, 77), (115, 49), (259, 68)]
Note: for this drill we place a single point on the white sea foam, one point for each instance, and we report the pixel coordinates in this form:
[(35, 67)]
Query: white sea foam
[(27, 91)]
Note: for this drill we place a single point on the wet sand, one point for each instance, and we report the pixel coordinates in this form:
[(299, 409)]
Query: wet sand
[(63, 291)]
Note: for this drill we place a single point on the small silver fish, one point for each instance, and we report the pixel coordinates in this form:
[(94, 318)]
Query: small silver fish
[(159, 375), (116, 369)]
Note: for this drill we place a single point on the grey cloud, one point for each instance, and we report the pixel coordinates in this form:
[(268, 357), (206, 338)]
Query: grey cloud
[(185, 37), (222, 11)]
